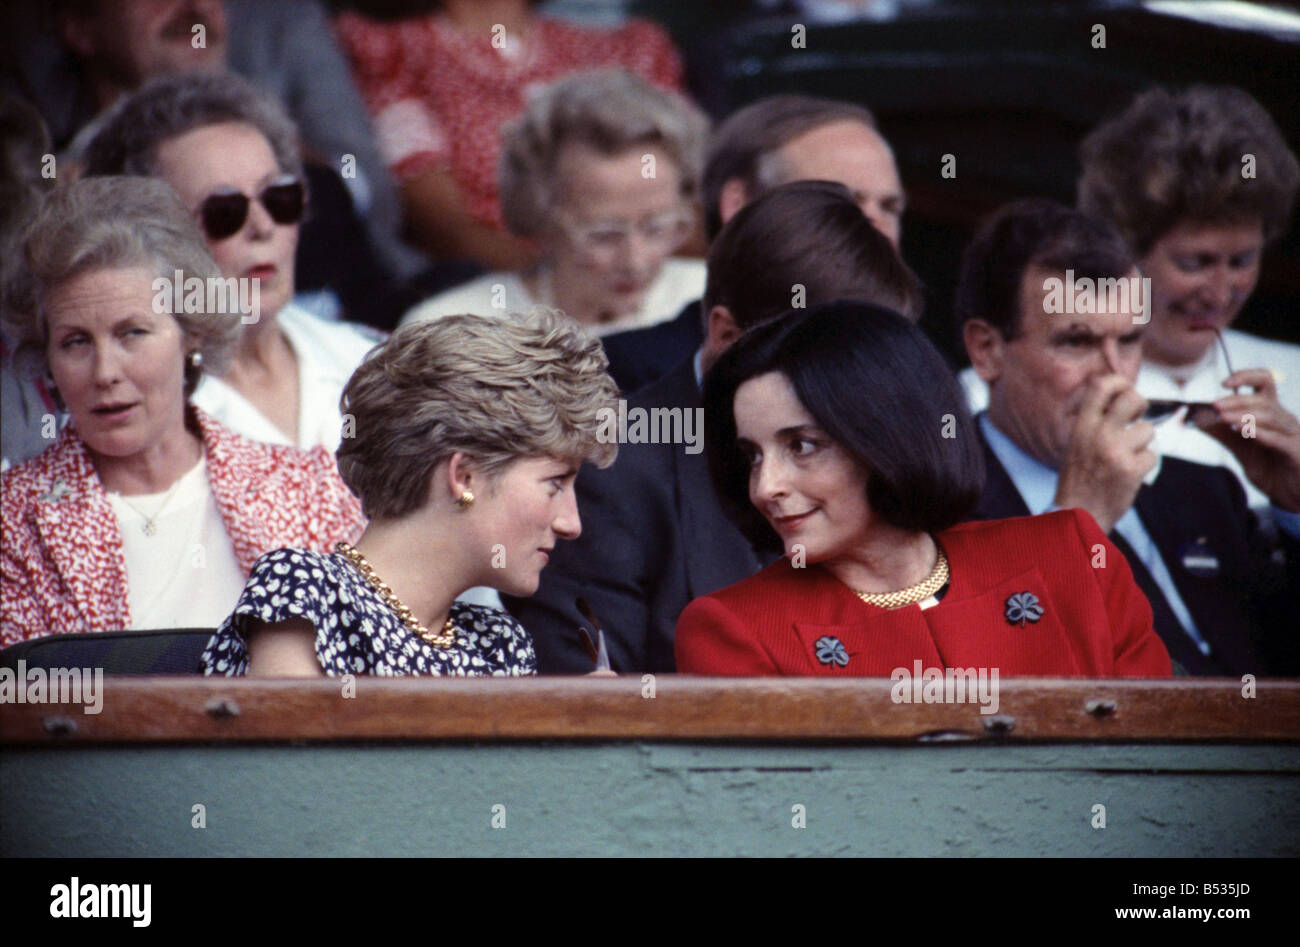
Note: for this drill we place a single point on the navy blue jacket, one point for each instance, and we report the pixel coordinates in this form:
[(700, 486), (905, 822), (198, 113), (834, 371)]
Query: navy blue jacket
[(638, 357)]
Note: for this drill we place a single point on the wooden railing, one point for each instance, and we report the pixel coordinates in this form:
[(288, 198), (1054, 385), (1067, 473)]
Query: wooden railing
[(189, 709)]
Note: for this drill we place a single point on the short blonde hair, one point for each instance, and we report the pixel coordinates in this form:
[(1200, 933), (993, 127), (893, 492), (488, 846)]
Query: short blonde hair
[(116, 223), (609, 109), (498, 389)]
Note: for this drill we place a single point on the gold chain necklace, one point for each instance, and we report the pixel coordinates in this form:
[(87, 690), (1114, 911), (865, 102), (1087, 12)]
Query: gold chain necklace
[(443, 640), (917, 593)]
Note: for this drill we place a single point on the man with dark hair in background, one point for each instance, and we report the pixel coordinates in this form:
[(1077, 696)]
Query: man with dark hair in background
[(654, 532)]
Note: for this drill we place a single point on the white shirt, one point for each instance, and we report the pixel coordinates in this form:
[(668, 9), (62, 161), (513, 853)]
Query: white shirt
[(1199, 382), (186, 574), (328, 353), (678, 283)]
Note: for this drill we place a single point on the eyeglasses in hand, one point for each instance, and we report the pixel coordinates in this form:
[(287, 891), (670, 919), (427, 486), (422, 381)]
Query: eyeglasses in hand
[(1162, 409)]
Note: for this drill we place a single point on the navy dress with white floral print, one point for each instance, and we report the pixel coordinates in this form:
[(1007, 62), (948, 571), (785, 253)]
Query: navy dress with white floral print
[(356, 631)]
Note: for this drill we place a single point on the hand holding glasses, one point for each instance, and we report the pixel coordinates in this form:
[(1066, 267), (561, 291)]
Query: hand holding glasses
[(1161, 409), (224, 213)]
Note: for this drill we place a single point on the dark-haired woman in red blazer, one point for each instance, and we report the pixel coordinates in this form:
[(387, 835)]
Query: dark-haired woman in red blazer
[(841, 431)]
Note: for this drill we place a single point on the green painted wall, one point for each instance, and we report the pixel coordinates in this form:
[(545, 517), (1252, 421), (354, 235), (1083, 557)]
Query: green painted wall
[(651, 799)]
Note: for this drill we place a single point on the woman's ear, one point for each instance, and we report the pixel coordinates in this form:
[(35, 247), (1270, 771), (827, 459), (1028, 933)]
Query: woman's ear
[(460, 476), (192, 368)]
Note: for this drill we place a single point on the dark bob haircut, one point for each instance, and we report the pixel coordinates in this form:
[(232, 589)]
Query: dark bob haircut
[(877, 386)]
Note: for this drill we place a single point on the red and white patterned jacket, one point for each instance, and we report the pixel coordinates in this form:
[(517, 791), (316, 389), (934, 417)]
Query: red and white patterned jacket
[(62, 566)]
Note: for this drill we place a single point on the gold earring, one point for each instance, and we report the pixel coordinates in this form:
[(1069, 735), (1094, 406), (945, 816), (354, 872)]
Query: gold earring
[(465, 499)]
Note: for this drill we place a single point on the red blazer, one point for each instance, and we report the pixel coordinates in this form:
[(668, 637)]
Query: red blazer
[(1094, 622)]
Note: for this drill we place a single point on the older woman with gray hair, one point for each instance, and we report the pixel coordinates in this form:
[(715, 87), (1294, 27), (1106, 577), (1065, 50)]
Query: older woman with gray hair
[(146, 512), (470, 431), (601, 171), (231, 154)]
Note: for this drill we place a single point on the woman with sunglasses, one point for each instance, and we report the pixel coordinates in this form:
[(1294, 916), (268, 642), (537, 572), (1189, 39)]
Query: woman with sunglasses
[(146, 512), (601, 172), (231, 154), (1197, 183)]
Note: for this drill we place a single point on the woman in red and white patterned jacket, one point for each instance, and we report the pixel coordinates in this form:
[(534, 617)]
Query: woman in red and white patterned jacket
[(145, 513)]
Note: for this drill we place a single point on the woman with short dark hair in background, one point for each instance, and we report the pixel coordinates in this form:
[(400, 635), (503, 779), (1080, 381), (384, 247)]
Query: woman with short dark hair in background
[(840, 434), (469, 434), (146, 512), (1198, 182)]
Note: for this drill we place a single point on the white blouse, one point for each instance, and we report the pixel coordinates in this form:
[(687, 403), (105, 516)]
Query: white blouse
[(328, 353), (182, 571)]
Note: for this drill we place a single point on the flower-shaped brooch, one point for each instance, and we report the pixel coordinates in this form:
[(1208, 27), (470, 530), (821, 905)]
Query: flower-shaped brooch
[(58, 490), (831, 651), (1023, 608)]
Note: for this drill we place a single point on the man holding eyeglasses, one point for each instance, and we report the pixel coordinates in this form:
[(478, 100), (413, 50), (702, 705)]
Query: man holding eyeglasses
[(1066, 428)]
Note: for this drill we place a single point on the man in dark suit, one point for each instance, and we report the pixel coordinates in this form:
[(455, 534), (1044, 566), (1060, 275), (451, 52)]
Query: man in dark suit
[(1060, 349), (654, 534), (768, 143)]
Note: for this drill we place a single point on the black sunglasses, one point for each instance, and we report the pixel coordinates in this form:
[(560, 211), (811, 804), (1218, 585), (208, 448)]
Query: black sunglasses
[(223, 214)]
